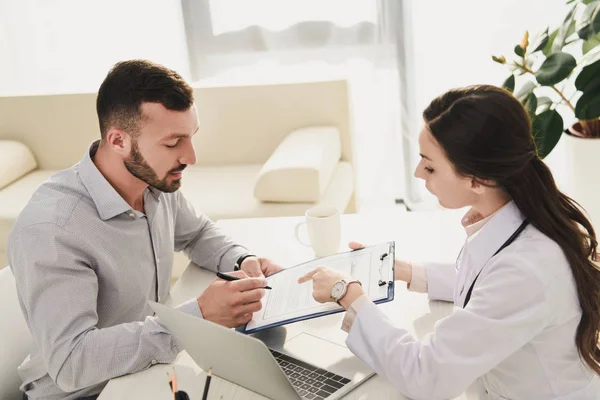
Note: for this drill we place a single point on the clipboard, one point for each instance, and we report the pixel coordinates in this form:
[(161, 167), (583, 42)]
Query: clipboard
[(290, 302)]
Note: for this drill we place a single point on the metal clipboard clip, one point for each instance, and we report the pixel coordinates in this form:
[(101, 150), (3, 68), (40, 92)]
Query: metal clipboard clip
[(381, 282)]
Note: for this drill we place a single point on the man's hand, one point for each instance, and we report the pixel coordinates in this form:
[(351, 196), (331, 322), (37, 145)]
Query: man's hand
[(259, 267), (232, 304)]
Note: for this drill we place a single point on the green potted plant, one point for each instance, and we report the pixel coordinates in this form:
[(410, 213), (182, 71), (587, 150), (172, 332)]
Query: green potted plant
[(560, 71), (558, 75)]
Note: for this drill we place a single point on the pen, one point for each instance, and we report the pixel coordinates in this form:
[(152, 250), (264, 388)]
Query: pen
[(234, 278), (207, 384)]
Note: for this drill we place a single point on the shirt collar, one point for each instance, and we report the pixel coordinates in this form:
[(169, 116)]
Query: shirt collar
[(157, 194), (109, 202), (492, 235), (474, 227)]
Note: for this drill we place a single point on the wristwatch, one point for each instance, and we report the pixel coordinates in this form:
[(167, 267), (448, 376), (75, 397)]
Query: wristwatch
[(238, 263), (340, 288)]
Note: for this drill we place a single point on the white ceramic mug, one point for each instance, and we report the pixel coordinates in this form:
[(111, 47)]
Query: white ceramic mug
[(324, 228)]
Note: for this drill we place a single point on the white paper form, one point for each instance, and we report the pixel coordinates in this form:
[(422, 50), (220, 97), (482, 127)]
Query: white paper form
[(289, 299)]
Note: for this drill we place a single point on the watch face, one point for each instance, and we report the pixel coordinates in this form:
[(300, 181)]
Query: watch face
[(337, 290)]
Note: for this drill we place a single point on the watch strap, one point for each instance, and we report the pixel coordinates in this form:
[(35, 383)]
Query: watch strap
[(346, 285), (238, 264)]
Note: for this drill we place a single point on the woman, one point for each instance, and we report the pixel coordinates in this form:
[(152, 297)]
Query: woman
[(527, 290)]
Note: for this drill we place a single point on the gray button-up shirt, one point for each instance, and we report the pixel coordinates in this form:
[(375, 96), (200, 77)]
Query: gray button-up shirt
[(86, 263)]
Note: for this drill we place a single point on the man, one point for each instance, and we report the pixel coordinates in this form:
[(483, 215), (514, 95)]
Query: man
[(96, 241)]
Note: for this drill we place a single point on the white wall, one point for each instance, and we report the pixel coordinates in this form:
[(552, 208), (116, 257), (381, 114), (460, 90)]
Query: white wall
[(454, 41), (66, 46)]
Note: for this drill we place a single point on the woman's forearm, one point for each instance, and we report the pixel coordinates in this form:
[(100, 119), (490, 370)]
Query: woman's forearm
[(403, 271)]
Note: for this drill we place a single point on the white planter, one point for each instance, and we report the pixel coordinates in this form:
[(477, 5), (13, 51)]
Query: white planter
[(575, 164)]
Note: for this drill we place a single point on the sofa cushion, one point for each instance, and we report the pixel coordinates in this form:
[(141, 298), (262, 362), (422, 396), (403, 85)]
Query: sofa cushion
[(301, 166), (226, 192), (16, 160), (13, 199)]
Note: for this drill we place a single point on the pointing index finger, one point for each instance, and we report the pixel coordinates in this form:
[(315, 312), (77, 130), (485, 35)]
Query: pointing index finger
[(308, 276)]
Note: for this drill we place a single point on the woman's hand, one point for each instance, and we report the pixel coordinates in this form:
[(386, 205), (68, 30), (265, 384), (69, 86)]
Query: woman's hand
[(402, 269), (356, 245), (324, 279)]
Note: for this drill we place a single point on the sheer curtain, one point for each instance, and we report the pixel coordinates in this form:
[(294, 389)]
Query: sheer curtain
[(269, 41), (68, 46)]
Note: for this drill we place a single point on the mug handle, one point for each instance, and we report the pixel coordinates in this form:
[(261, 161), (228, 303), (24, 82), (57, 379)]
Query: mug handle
[(298, 233)]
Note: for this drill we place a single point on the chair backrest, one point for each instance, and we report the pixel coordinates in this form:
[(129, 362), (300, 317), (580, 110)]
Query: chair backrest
[(15, 339)]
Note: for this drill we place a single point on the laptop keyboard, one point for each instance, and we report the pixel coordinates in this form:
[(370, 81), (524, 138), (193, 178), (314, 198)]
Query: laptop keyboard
[(309, 381)]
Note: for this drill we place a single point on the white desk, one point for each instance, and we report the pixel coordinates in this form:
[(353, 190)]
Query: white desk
[(432, 236)]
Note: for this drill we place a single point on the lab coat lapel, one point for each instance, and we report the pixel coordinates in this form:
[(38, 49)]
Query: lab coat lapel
[(481, 248)]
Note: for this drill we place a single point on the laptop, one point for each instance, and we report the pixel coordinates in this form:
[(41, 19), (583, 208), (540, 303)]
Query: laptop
[(305, 367)]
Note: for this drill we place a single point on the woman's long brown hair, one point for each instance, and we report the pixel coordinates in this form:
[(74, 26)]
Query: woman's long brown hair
[(486, 133)]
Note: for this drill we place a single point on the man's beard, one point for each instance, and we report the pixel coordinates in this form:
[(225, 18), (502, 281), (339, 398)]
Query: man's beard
[(138, 167)]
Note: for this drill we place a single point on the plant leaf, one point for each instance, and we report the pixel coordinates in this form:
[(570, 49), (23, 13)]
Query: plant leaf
[(584, 25), (590, 57), (544, 103), (509, 83), (525, 90), (586, 32), (548, 47), (588, 1), (565, 30), (588, 75), (547, 128), (588, 106), (529, 61), (519, 51), (555, 68), (531, 104), (592, 85), (591, 43), (540, 41), (499, 60), (595, 20)]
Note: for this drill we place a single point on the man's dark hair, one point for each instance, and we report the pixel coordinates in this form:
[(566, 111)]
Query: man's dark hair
[(131, 83)]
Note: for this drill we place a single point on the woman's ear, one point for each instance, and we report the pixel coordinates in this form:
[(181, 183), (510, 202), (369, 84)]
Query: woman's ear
[(479, 186)]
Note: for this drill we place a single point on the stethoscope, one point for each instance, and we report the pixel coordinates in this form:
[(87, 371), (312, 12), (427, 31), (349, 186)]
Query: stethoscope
[(462, 274)]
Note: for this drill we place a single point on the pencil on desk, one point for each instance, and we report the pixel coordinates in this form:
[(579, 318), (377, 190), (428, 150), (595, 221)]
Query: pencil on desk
[(170, 379), (207, 384), (174, 381)]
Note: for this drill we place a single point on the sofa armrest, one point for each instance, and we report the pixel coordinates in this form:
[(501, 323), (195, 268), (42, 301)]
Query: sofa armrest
[(301, 167), (16, 160)]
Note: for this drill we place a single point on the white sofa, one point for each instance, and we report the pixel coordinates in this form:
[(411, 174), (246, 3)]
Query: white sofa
[(240, 128), (15, 337)]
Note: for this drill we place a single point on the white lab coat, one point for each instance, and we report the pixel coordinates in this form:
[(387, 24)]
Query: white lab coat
[(517, 332)]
